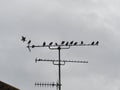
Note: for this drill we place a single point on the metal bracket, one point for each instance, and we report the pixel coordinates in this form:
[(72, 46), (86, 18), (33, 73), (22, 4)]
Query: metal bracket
[(58, 63)]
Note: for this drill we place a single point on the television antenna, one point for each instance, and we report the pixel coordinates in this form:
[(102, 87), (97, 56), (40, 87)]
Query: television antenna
[(58, 62)]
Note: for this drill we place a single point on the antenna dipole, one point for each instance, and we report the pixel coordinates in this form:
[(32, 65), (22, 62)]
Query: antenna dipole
[(59, 62)]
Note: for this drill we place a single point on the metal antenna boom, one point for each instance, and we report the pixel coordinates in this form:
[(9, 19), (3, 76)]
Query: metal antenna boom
[(59, 62)]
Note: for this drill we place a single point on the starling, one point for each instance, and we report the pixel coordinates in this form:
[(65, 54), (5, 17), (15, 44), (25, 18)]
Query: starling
[(81, 42), (56, 44), (50, 43), (44, 43), (29, 41), (62, 42), (71, 42), (75, 43), (67, 43), (23, 39), (97, 43), (92, 43)]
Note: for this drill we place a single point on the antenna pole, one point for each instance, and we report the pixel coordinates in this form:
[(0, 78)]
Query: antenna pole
[(59, 66), (59, 62)]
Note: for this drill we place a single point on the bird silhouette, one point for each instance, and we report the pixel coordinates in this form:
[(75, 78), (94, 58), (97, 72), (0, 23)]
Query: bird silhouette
[(62, 42), (44, 43), (75, 43), (92, 43), (29, 41), (81, 42), (56, 44), (23, 39), (50, 43), (67, 43), (71, 42), (97, 43)]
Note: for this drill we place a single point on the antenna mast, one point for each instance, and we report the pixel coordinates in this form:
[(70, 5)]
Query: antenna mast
[(59, 62)]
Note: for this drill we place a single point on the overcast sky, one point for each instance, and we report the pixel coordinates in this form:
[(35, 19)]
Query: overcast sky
[(57, 20)]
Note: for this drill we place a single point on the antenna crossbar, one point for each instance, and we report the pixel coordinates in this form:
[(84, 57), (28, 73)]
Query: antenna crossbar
[(36, 60), (33, 46), (49, 84)]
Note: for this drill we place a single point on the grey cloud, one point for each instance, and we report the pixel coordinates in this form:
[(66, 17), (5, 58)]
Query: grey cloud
[(44, 20)]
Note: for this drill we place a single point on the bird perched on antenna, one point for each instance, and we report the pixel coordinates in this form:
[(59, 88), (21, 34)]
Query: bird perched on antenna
[(82, 43), (71, 42), (56, 44), (50, 44), (97, 42), (44, 43), (23, 39), (29, 42), (75, 43), (92, 43), (67, 43), (62, 42)]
